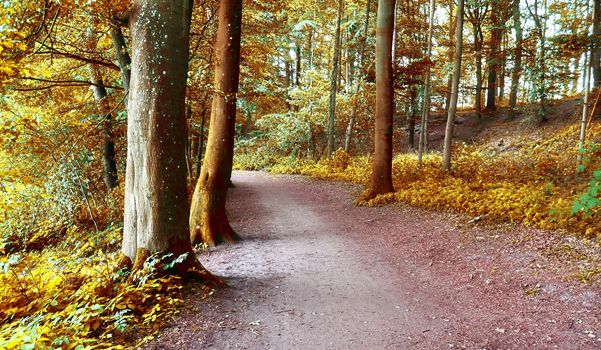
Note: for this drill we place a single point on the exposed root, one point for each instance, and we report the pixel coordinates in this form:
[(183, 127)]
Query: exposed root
[(124, 262), (189, 269)]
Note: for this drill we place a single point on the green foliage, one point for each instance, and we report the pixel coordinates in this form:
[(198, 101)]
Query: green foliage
[(589, 201)]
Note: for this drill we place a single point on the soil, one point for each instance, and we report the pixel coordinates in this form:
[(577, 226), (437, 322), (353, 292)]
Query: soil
[(316, 272)]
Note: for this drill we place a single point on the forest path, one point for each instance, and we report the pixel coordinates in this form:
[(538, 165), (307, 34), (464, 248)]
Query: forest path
[(316, 272)]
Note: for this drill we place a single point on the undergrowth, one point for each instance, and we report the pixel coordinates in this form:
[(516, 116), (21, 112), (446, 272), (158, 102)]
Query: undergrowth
[(60, 287), (528, 180)]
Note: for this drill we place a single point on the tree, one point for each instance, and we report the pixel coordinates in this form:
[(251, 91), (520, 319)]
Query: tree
[(540, 64), (381, 176), (362, 44), (122, 57), (334, 81), (426, 110), (156, 206), (517, 57), (497, 22), (448, 137), (476, 14), (208, 216), (596, 42), (108, 149), (588, 65)]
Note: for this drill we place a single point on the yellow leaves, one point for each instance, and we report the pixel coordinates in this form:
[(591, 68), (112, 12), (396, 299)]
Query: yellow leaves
[(73, 296), (516, 188)]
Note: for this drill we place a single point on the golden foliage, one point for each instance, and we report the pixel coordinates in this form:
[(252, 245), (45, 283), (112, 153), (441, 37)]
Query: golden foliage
[(534, 184), (63, 297)]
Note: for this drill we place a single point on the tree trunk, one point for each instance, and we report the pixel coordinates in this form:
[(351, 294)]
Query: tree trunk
[(249, 121), (596, 42), (517, 57), (448, 137), (452, 31), (588, 63), (503, 66), (298, 64), (574, 88), (493, 60), (478, 50), (208, 217), (381, 176), (351, 123), (122, 57), (411, 118), (201, 142), (108, 153), (426, 110), (333, 82), (156, 205)]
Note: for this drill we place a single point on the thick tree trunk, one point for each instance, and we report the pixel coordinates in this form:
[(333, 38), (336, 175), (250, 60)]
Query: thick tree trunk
[(423, 134), (517, 57), (596, 42), (108, 153), (448, 137), (381, 176), (334, 81), (208, 216), (156, 205)]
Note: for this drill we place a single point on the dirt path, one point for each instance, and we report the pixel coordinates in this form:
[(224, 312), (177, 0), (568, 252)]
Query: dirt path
[(316, 272)]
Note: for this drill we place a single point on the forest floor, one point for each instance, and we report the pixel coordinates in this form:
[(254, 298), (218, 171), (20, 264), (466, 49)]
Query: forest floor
[(315, 271)]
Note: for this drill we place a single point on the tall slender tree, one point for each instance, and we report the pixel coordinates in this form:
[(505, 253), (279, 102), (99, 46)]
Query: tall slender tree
[(334, 81), (122, 57), (208, 217), (596, 42), (448, 137), (496, 35), (426, 110), (108, 149), (381, 176), (362, 60), (517, 57), (156, 205), (476, 13)]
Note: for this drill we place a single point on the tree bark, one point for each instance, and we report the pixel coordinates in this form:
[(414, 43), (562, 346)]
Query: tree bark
[(493, 59), (452, 30), (208, 216), (122, 57), (596, 42), (411, 118), (517, 57), (108, 149), (478, 38), (588, 65), (334, 81), (351, 123), (201, 142), (381, 176), (426, 110), (156, 205), (448, 137), (298, 64)]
